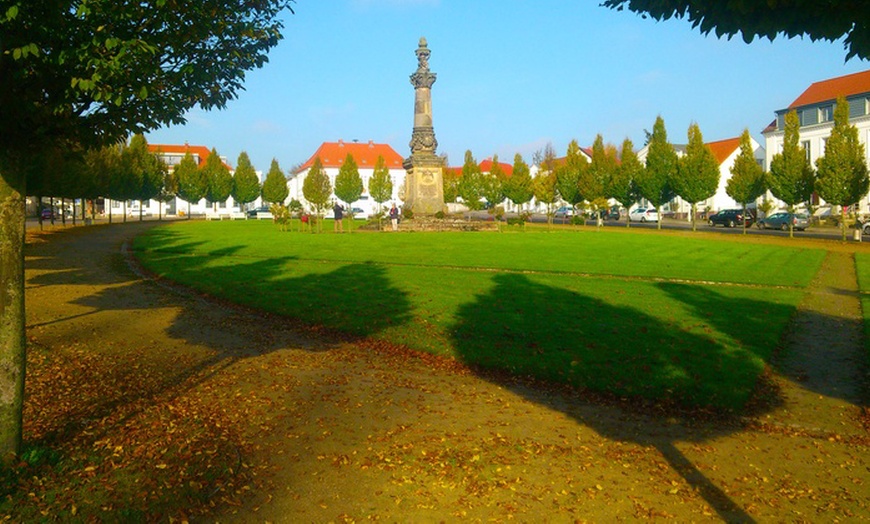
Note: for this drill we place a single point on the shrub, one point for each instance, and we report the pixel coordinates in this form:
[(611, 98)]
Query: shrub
[(440, 215), (407, 213)]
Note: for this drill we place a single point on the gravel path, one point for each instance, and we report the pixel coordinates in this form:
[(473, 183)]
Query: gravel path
[(340, 432)]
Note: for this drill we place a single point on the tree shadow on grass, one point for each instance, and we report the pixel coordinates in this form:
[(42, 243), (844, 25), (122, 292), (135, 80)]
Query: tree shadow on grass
[(530, 328)]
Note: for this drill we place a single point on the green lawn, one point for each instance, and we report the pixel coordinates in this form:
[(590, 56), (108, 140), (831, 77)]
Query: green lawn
[(647, 315)]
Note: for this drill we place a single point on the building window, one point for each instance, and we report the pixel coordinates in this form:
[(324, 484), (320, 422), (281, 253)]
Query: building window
[(826, 113), (806, 145)]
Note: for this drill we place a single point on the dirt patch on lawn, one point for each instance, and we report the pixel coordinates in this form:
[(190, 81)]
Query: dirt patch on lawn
[(203, 410)]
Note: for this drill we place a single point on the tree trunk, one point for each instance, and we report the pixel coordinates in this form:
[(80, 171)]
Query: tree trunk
[(745, 217), (843, 221), (694, 227), (12, 332), (659, 215)]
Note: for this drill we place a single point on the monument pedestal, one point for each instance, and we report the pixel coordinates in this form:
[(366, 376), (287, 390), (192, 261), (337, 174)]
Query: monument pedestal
[(424, 185)]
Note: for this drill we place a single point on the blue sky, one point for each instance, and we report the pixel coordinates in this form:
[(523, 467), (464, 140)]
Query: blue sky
[(512, 76)]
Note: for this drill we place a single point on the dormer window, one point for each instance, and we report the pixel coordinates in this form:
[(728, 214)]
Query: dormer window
[(826, 113)]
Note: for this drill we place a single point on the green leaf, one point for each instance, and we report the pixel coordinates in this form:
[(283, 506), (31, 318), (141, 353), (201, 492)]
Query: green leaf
[(12, 12), (16, 53), (143, 93)]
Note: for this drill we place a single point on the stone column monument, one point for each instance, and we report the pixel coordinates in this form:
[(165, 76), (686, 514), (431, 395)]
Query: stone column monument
[(424, 189)]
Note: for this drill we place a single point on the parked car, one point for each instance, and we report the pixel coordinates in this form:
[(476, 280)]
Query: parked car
[(357, 212), (613, 213), (730, 218), (564, 212), (252, 213), (643, 214), (47, 214), (782, 220)]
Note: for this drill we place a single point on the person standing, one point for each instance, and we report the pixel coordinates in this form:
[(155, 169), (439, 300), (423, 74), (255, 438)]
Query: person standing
[(338, 212), (394, 217)]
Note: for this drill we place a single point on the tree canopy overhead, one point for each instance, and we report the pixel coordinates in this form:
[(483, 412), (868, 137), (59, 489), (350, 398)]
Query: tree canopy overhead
[(829, 20)]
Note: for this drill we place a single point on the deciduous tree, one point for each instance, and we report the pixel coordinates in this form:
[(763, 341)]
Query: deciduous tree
[(220, 181), (842, 172), (192, 183), (492, 188), (621, 186), (654, 182), (246, 185), (470, 184), (829, 20), (747, 181), (348, 183), (317, 188), (593, 181), (697, 174), (518, 188), (87, 73), (791, 174), (380, 185), (568, 175), (275, 190)]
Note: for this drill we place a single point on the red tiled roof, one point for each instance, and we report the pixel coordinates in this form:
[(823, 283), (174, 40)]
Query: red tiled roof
[(332, 154), (722, 149), (201, 151), (486, 167), (825, 90)]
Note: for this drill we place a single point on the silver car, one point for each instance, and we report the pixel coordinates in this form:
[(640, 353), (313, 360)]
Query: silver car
[(782, 220)]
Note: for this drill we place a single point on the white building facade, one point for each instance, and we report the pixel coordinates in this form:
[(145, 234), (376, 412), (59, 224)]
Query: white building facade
[(333, 154), (815, 109)]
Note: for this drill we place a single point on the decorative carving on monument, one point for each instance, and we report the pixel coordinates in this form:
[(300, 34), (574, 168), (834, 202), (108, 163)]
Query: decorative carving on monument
[(424, 191)]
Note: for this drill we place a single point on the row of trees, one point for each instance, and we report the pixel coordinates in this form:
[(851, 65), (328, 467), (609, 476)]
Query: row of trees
[(130, 171), (841, 178), (317, 188)]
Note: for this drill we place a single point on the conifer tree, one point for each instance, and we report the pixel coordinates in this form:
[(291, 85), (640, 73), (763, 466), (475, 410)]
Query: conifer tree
[(747, 181), (791, 175), (842, 172), (697, 174)]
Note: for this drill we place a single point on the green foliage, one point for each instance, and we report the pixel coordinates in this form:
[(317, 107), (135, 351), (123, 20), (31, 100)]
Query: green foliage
[(407, 213), (492, 183), (192, 183), (748, 181), (295, 207), (220, 182), (348, 184), (246, 185), (622, 185), (791, 175), (518, 188), (546, 191), (380, 184), (654, 182), (450, 182), (697, 175), (842, 172), (280, 215), (568, 175), (594, 180), (470, 186), (145, 172), (316, 188), (440, 215), (829, 20), (275, 188)]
